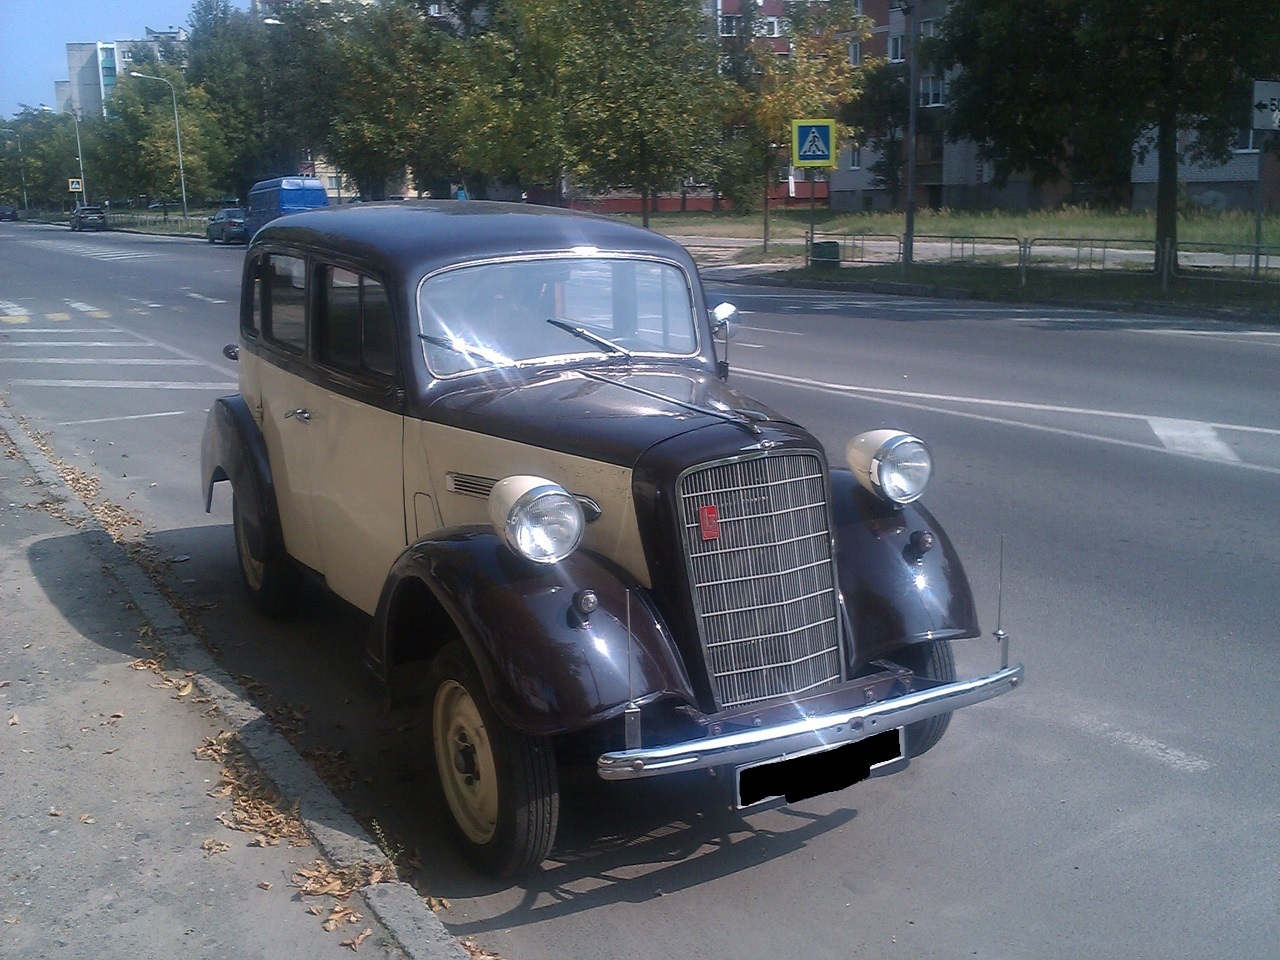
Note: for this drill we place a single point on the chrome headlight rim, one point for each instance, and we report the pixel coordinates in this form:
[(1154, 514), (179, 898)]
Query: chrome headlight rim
[(880, 461), (536, 518)]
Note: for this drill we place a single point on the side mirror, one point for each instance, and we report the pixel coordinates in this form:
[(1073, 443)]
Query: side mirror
[(724, 319), (231, 351)]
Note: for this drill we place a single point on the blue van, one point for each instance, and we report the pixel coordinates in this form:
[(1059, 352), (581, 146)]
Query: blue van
[(269, 199)]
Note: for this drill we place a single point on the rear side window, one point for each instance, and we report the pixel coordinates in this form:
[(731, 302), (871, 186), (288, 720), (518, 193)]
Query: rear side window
[(284, 283), (355, 332)]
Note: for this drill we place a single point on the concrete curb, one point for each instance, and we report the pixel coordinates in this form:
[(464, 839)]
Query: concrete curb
[(416, 929)]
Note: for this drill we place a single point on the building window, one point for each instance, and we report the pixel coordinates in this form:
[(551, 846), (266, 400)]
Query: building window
[(855, 158), (932, 91), (895, 48), (770, 27), (855, 53), (927, 28), (731, 25), (1246, 141)]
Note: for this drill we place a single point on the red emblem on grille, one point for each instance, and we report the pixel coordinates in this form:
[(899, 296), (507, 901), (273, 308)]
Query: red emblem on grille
[(709, 521)]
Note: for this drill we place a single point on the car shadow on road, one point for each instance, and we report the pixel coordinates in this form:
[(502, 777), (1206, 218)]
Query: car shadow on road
[(306, 672)]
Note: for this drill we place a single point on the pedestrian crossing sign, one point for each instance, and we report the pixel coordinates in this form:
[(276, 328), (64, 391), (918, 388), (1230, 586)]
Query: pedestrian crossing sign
[(813, 143)]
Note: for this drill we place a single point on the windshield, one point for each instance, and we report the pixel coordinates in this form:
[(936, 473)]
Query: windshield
[(498, 314)]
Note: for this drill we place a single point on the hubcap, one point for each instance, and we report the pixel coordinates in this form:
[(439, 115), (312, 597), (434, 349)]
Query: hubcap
[(464, 758), (252, 567)]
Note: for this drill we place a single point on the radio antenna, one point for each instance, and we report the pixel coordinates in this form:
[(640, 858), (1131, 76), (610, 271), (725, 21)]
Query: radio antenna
[(1001, 637)]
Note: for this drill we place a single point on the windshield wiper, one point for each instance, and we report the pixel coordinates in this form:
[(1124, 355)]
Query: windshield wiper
[(584, 334), (467, 349)]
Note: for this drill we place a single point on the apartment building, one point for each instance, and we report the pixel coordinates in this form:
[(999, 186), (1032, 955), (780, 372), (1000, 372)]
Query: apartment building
[(93, 68)]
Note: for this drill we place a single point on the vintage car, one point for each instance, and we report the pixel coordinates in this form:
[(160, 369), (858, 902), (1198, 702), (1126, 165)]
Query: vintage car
[(505, 433)]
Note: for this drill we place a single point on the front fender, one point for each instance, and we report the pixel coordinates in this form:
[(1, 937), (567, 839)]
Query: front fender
[(234, 449), (896, 593), (547, 668)]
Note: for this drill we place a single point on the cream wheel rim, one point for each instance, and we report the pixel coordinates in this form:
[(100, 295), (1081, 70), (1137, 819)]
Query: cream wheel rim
[(464, 757)]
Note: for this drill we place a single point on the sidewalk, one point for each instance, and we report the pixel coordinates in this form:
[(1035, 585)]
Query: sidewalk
[(132, 823)]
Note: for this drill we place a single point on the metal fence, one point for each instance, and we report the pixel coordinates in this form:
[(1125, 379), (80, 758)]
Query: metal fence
[(1244, 262)]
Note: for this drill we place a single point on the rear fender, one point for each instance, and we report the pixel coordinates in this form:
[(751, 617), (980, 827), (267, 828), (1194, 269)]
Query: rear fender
[(233, 449), (897, 593), (547, 668)]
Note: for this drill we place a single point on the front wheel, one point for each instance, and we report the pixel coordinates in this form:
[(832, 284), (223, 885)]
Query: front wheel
[(934, 661), (269, 576), (500, 785)]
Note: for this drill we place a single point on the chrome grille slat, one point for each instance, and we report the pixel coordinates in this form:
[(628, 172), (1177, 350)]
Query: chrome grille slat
[(764, 589)]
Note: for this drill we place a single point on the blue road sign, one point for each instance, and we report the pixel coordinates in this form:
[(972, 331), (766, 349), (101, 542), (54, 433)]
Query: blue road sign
[(813, 143)]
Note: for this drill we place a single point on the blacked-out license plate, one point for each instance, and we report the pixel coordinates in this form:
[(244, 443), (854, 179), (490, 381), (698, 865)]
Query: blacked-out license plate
[(813, 774)]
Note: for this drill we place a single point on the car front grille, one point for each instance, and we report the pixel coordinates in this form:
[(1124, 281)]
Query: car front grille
[(758, 542)]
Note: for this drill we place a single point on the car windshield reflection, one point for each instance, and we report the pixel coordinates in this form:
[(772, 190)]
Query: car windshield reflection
[(497, 314)]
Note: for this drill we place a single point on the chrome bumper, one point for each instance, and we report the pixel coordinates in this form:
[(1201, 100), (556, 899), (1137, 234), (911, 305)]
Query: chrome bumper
[(806, 735)]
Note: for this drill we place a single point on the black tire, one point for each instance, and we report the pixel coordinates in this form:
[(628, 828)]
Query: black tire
[(500, 786), (208, 236), (269, 576), (936, 661)]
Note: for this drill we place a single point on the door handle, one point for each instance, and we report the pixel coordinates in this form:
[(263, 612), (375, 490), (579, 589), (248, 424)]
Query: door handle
[(300, 413)]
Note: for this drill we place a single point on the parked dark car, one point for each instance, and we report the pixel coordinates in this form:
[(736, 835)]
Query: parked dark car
[(226, 226), (505, 433), (88, 218), (7, 212)]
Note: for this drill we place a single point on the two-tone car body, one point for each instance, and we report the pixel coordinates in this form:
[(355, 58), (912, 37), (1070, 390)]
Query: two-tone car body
[(505, 433)]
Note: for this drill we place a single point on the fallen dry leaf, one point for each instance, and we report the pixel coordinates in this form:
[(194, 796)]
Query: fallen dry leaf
[(186, 688), (211, 847), (4, 683), (315, 909), (13, 721), (85, 818), (354, 942), (265, 885), (437, 904), (55, 812), (477, 952), (340, 916)]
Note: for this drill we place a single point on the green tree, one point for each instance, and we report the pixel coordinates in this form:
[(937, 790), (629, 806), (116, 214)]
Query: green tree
[(387, 113), (879, 113), (642, 103), (509, 96), (1075, 87)]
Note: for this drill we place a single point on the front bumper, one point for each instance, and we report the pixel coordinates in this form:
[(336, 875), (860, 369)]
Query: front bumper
[(806, 735)]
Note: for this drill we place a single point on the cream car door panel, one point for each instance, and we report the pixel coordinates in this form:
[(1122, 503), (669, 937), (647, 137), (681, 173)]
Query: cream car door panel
[(289, 429), (460, 462), (358, 494)]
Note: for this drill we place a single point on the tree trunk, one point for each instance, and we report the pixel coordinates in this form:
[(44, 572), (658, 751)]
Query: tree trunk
[(644, 205), (1167, 153)]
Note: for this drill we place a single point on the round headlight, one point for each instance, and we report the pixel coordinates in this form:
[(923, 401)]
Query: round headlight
[(892, 464), (536, 518)]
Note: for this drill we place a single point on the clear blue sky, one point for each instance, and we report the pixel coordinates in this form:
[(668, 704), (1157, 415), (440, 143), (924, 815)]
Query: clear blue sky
[(34, 35)]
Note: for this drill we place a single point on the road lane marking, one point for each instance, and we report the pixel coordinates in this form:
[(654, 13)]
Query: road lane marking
[(69, 343), (987, 401), (201, 296), (57, 316), (136, 416), (894, 397), (1148, 747), (83, 307), (1189, 436), (109, 361), (100, 329), (125, 384), (14, 320)]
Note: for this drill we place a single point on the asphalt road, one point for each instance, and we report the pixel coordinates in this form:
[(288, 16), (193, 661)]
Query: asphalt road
[(1121, 804)]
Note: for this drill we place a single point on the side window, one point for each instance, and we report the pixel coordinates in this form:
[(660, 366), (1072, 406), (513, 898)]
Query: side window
[(339, 310), (285, 282), (355, 331), (252, 322), (378, 334)]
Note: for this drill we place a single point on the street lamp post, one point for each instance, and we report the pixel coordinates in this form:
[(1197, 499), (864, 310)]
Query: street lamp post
[(913, 95), (84, 186), (182, 177), (22, 166)]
